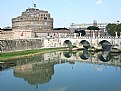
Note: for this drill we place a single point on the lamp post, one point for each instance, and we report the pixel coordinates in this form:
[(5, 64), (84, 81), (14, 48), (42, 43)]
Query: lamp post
[(116, 35), (117, 29)]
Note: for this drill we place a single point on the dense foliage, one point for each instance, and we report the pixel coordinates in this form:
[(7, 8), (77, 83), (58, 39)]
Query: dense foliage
[(92, 28), (83, 33), (60, 28), (112, 28)]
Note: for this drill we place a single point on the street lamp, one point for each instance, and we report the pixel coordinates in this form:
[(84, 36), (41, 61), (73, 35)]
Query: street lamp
[(116, 35)]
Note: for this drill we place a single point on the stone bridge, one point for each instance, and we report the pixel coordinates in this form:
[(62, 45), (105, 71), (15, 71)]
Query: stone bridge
[(81, 42), (67, 41)]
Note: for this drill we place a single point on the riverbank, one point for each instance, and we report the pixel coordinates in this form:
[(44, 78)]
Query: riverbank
[(4, 57)]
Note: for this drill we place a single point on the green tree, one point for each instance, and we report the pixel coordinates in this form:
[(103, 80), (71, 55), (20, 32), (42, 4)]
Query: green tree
[(119, 29), (112, 28)]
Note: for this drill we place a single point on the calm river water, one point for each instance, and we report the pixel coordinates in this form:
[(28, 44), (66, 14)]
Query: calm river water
[(63, 71)]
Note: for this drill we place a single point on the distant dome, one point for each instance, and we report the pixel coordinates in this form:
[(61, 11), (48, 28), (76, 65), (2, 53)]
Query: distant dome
[(94, 23)]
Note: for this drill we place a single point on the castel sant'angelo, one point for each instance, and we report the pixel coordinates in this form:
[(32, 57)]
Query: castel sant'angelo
[(32, 23), (36, 23)]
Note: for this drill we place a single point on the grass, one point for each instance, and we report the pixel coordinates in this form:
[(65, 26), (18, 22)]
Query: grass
[(26, 53)]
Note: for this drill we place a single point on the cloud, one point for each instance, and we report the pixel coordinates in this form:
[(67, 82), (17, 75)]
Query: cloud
[(99, 1)]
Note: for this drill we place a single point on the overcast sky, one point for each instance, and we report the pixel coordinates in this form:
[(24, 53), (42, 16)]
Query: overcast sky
[(64, 12)]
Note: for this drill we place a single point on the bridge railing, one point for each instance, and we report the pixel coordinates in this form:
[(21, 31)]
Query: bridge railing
[(82, 37), (86, 37)]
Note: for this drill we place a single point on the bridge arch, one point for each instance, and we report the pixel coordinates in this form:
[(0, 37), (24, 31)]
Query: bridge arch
[(106, 45), (105, 57), (67, 43), (84, 56), (84, 43), (67, 54), (1, 46)]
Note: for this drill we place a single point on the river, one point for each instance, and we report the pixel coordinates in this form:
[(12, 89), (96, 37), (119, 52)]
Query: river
[(63, 71)]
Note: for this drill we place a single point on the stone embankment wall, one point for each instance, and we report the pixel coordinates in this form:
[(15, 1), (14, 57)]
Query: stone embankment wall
[(20, 44)]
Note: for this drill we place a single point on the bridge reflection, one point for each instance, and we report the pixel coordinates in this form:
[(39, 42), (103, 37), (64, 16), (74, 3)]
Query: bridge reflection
[(39, 69), (105, 57)]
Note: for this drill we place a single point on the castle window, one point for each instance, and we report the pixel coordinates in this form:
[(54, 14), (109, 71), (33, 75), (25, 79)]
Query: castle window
[(45, 18)]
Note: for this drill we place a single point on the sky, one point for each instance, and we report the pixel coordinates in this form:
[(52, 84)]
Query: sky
[(64, 12)]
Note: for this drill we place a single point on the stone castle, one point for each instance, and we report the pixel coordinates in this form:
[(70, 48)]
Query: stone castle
[(32, 19), (35, 23), (30, 23)]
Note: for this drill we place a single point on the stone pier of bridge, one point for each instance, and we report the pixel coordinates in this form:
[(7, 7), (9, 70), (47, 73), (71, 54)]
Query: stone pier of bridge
[(80, 42)]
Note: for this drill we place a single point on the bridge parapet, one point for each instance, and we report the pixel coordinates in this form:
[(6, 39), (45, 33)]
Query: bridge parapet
[(93, 42)]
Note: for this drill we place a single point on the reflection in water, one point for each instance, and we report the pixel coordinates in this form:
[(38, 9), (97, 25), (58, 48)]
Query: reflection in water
[(0, 68), (71, 72), (84, 55), (7, 65), (58, 89), (105, 56), (37, 70), (68, 54), (38, 73)]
